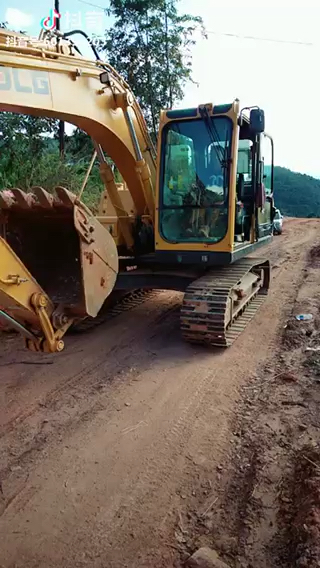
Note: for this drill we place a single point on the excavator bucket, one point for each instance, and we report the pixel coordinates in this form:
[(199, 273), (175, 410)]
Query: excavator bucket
[(55, 241)]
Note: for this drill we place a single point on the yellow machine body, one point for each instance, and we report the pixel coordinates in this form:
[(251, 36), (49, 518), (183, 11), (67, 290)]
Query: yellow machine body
[(59, 262)]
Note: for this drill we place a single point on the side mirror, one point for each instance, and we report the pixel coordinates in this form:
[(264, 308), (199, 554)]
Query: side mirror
[(257, 120)]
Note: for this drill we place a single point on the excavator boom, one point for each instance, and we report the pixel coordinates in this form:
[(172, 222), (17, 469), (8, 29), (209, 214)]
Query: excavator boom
[(40, 82), (58, 263)]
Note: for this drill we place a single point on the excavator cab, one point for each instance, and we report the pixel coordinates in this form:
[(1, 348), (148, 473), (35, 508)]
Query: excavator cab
[(217, 209)]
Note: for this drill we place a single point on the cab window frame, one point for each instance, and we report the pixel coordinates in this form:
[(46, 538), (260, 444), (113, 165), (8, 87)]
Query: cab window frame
[(162, 205)]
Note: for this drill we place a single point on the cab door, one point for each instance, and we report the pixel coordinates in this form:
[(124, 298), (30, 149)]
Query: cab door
[(265, 213)]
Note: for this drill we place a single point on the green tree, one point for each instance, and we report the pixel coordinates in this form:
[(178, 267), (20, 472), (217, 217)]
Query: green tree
[(79, 145), (22, 143), (149, 44)]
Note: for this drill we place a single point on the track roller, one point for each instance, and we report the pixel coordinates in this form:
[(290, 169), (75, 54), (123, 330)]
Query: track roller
[(218, 306)]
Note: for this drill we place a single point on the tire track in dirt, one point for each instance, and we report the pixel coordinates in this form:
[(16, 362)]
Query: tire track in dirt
[(106, 485), (78, 397), (90, 370), (267, 513)]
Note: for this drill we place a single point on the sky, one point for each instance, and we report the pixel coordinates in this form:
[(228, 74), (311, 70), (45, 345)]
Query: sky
[(274, 70)]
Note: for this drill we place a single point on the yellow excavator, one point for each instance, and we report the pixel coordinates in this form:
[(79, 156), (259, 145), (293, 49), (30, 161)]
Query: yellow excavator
[(186, 217)]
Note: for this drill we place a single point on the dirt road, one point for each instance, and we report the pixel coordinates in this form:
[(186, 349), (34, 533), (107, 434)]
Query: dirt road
[(104, 446)]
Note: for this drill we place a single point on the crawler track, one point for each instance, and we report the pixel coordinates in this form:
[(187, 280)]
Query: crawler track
[(113, 308), (210, 314)]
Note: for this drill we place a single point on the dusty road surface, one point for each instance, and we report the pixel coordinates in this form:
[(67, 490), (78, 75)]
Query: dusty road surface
[(104, 446)]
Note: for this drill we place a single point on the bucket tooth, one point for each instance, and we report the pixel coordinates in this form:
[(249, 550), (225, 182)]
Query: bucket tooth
[(23, 200), (65, 196), (6, 199), (44, 198)]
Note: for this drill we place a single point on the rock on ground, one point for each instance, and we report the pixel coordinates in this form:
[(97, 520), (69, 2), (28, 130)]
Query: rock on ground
[(205, 558)]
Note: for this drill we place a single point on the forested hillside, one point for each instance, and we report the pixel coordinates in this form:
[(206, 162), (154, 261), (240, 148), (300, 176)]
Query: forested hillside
[(296, 195)]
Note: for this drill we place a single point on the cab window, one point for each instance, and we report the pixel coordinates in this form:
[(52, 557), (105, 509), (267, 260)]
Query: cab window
[(194, 181)]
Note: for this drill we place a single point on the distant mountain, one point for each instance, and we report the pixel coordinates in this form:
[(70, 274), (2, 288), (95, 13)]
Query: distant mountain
[(296, 195)]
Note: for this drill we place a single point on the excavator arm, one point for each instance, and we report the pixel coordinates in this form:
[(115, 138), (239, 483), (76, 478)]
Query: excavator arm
[(42, 82), (58, 263)]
